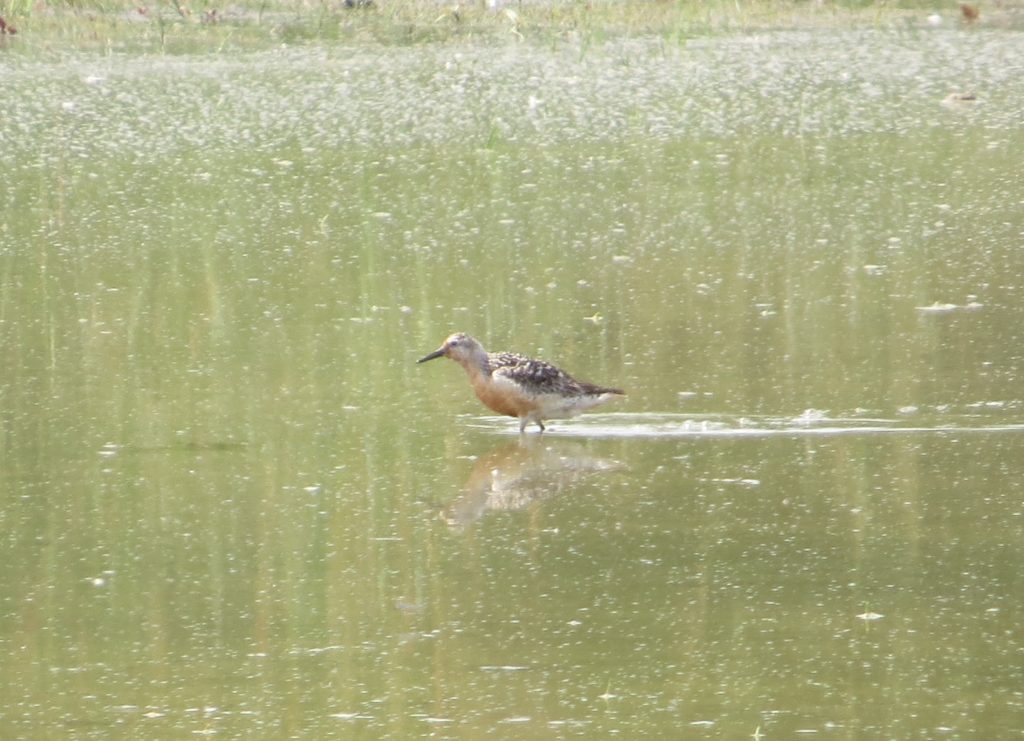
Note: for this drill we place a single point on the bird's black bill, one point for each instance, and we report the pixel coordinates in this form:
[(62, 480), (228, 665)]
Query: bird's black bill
[(435, 354)]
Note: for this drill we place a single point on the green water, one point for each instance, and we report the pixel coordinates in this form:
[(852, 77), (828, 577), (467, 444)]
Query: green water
[(232, 503)]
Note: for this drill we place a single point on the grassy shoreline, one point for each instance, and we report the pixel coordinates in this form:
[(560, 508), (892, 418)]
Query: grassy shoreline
[(208, 25)]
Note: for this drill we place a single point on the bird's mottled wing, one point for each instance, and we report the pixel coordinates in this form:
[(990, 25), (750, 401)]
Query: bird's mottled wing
[(534, 376)]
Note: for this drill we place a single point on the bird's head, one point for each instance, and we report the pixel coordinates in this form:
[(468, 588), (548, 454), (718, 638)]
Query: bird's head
[(460, 347)]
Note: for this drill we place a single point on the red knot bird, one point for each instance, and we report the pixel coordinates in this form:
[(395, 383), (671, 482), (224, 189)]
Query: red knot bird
[(511, 384)]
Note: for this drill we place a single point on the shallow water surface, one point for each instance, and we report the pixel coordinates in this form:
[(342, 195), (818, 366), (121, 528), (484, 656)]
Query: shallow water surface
[(234, 505)]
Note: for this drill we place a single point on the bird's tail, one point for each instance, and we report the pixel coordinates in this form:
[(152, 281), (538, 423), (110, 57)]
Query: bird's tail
[(590, 388)]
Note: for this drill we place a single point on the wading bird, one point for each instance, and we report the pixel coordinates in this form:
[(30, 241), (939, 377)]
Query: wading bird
[(511, 384)]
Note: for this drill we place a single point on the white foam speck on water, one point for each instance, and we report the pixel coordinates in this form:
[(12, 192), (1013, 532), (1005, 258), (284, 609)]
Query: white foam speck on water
[(869, 616)]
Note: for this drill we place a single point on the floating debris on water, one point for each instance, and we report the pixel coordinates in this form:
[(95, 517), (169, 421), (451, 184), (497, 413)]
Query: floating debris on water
[(945, 308), (954, 99), (870, 616)]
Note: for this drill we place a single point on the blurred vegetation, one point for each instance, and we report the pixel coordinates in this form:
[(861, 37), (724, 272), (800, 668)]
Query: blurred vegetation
[(197, 25)]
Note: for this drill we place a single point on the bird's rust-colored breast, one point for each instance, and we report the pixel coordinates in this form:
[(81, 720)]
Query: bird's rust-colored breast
[(502, 397)]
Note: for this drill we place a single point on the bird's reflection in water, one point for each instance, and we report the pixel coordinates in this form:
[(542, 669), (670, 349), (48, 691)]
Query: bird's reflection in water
[(513, 476)]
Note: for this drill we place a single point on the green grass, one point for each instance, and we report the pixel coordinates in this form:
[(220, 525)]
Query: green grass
[(209, 25)]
